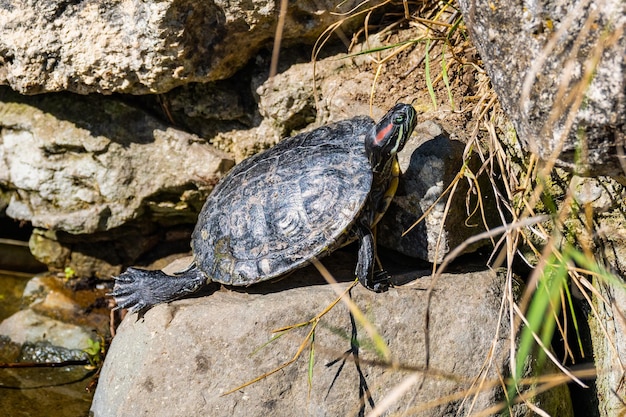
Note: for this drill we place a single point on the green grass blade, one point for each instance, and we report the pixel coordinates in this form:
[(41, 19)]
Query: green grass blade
[(444, 76), (541, 315), (379, 48), (595, 268), (454, 28), (311, 361), (380, 346), (274, 337), (572, 312), (429, 82)]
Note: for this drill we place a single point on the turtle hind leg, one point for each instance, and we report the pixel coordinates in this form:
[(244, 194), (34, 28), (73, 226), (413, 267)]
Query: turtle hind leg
[(139, 289)]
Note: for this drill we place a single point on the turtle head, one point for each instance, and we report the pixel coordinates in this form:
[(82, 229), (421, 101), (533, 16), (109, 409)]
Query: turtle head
[(391, 134)]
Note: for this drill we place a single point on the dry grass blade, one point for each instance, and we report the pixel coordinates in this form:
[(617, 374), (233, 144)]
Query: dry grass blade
[(329, 307), (541, 384), (358, 315), (308, 338), (273, 371), (278, 37), (396, 393)]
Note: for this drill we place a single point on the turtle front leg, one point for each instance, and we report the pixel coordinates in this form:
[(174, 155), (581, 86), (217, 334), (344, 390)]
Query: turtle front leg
[(378, 282)]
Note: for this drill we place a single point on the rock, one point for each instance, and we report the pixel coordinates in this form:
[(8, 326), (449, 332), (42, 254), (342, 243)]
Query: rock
[(216, 101), (608, 332), (289, 108), (83, 172), (285, 105), (68, 302), (142, 47), (180, 358), (430, 163), (28, 326), (605, 200), (572, 53), (58, 323), (96, 184), (62, 324)]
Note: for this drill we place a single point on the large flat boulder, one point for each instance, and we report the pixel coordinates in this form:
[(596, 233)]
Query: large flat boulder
[(179, 359)]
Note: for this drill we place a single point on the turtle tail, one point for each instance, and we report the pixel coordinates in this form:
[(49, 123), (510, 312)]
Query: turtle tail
[(139, 289)]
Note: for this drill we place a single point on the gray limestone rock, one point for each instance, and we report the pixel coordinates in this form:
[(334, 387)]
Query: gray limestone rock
[(86, 164), (558, 68), (180, 358), (140, 47), (608, 331)]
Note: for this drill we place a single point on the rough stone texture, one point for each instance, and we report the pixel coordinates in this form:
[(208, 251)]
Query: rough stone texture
[(285, 105), (57, 315), (29, 326), (430, 162), (559, 45), (606, 199), (610, 348), (140, 47), (179, 358), (78, 171)]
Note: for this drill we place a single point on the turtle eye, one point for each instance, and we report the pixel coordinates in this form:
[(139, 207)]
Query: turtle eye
[(398, 119)]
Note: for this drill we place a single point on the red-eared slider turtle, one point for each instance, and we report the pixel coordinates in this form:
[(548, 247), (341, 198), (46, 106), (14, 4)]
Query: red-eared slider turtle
[(276, 211)]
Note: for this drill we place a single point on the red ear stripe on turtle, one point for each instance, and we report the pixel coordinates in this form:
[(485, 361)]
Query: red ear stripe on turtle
[(380, 136)]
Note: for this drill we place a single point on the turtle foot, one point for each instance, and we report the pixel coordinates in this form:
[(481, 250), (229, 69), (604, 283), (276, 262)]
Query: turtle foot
[(381, 281), (139, 290)]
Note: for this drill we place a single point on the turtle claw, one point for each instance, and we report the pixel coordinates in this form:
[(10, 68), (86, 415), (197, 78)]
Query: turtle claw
[(381, 281), (132, 289)]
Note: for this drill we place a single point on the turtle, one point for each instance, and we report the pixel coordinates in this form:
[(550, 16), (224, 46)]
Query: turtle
[(278, 210)]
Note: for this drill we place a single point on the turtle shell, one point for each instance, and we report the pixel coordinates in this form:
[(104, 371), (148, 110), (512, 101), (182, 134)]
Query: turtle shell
[(280, 208)]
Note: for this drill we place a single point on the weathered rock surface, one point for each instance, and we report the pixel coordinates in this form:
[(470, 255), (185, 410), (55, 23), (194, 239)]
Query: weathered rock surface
[(180, 358), (559, 71), (57, 324), (141, 47), (285, 105), (56, 318), (29, 326), (78, 171), (609, 347)]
